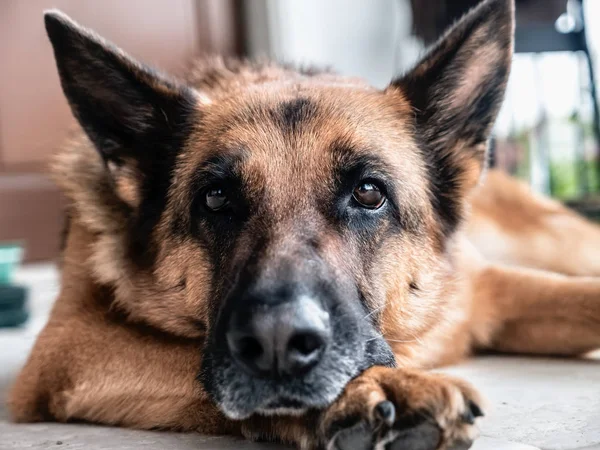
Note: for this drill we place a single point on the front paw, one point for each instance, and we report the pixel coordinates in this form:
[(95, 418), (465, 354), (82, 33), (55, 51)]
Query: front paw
[(403, 409)]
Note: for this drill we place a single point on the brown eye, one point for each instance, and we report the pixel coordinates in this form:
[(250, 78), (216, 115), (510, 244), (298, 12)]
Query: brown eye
[(216, 199), (368, 195)]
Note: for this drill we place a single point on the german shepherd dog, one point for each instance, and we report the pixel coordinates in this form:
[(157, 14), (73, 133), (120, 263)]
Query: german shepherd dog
[(281, 254)]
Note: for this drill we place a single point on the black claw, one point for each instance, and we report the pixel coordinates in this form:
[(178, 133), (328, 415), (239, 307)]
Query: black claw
[(465, 445), (357, 437), (475, 409), (386, 411), (425, 436), (468, 417)]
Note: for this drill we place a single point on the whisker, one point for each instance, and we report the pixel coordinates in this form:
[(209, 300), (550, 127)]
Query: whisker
[(415, 339), (376, 310), (407, 340)]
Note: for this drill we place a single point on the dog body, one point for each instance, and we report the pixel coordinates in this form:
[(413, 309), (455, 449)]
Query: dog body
[(280, 254)]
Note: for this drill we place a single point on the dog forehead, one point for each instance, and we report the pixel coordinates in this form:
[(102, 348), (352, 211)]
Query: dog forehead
[(287, 130)]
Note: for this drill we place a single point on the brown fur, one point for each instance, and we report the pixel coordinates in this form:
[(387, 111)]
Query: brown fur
[(123, 344)]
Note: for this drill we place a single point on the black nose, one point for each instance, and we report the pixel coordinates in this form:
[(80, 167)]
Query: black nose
[(283, 339)]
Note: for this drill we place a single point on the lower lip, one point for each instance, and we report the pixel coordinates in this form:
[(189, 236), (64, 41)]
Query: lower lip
[(285, 403), (283, 406), (281, 411)]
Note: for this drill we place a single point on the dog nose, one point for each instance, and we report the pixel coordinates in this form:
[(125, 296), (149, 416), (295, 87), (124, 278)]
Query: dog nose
[(278, 340)]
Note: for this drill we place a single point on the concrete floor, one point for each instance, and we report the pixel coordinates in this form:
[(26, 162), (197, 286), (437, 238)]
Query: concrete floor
[(535, 403)]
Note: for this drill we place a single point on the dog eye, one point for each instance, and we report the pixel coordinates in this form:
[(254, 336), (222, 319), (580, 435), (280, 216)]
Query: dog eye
[(369, 195), (216, 199)]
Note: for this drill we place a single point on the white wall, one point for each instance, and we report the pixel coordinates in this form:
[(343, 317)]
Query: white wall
[(355, 37)]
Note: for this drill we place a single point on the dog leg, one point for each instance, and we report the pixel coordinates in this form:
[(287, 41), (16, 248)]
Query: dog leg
[(91, 369), (531, 311), (510, 224)]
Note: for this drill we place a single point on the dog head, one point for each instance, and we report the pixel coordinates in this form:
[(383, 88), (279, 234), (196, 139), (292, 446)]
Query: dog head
[(290, 221)]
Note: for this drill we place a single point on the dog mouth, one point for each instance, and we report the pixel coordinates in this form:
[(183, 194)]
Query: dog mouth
[(242, 397), (243, 383), (239, 395), (283, 406)]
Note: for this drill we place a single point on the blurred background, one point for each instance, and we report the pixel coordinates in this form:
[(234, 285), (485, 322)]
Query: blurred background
[(548, 132)]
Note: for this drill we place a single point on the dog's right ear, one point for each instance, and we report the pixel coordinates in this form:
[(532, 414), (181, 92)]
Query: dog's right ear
[(129, 112), (456, 91)]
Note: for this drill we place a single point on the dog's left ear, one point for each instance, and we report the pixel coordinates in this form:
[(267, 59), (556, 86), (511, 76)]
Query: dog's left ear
[(456, 91)]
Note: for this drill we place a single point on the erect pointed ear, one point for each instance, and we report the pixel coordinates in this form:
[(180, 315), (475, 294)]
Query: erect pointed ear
[(456, 91), (130, 113)]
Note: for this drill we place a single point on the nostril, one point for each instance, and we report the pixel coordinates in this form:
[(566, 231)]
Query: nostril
[(250, 352), (304, 350), (249, 348), (305, 343)]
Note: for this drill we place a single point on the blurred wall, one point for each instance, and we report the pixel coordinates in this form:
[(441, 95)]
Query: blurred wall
[(370, 39), (34, 115), (33, 112)]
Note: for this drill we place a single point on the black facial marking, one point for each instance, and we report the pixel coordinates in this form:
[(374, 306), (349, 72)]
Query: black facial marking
[(292, 114), (64, 233), (444, 180), (218, 231), (162, 148)]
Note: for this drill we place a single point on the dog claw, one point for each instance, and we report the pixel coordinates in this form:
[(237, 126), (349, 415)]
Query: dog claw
[(357, 437), (473, 412), (424, 436), (386, 412), (468, 417), (475, 409)]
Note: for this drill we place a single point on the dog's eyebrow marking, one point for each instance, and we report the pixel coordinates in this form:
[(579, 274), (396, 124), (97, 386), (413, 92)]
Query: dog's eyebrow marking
[(224, 165), (292, 114), (180, 286), (348, 161), (198, 325)]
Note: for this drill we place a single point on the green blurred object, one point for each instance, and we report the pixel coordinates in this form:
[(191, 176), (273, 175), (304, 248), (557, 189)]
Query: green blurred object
[(13, 299), (11, 255)]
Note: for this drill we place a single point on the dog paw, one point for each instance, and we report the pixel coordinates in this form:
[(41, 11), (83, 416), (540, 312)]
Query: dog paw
[(403, 409)]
